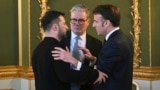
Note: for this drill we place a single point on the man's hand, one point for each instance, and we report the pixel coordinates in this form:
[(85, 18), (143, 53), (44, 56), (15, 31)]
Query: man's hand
[(87, 53), (101, 78), (61, 54)]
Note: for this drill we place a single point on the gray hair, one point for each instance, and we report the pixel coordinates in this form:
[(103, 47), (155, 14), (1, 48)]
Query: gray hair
[(80, 8)]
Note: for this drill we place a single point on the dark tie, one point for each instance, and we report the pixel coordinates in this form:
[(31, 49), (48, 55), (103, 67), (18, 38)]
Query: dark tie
[(104, 41), (75, 53)]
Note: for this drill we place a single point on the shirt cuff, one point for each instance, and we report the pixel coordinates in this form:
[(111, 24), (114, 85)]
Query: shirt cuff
[(93, 62), (79, 65)]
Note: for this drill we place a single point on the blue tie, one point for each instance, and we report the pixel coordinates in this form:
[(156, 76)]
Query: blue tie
[(75, 53)]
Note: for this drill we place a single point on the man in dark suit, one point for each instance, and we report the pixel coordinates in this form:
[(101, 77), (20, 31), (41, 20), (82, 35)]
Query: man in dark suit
[(57, 75), (79, 22), (116, 56)]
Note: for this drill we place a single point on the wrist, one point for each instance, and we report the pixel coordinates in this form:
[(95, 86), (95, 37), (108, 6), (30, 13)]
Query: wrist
[(93, 58), (74, 62)]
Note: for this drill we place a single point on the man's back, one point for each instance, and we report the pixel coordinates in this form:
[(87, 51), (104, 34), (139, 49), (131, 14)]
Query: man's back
[(53, 74), (43, 67), (115, 60)]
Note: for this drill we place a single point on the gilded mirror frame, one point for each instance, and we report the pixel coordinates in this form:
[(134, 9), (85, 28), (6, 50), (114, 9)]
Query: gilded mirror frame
[(135, 32)]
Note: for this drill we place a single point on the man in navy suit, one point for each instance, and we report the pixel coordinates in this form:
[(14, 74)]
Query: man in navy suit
[(79, 22), (116, 56)]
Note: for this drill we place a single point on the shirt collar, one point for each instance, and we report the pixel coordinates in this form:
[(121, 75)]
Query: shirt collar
[(82, 37), (109, 34)]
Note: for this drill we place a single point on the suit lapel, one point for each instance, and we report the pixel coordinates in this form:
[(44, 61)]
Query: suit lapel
[(88, 43), (68, 39)]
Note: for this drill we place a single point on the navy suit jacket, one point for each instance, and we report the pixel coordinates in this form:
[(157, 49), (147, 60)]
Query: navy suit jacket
[(56, 75), (116, 60)]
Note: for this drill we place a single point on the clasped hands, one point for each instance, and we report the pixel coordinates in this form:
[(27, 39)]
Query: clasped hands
[(65, 55)]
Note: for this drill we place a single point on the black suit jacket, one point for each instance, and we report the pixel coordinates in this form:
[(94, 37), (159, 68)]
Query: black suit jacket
[(56, 75), (116, 60), (93, 44)]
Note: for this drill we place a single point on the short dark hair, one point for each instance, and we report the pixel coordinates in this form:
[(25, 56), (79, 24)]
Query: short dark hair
[(49, 18), (109, 12)]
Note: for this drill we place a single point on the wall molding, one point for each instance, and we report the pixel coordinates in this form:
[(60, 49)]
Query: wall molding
[(7, 72), (147, 73), (136, 33)]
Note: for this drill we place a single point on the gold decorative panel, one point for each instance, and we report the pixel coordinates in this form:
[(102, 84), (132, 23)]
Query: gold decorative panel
[(147, 73), (16, 72), (44, 8), (144, 73), (136, 33)]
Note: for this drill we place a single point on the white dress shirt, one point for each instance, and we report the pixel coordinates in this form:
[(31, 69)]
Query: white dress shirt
[(109, 34), (81, 42)]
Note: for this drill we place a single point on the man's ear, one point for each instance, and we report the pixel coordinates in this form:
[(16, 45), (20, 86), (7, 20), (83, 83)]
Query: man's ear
[(55, 27), (107, 22)]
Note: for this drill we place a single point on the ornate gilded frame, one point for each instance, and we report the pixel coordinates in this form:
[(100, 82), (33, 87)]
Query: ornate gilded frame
[(145, 73), (135, 33), (44, 8)]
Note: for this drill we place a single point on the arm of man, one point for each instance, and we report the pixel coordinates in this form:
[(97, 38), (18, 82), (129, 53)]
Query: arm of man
[(94, 46), (84, 75), (66, 74)]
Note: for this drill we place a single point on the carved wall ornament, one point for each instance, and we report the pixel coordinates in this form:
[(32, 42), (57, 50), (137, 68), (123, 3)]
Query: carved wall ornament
[(44, 8), (136, 33)]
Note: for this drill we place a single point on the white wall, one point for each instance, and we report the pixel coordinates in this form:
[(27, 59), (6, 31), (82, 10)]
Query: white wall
[(148, 84), (24, 84), (17, 84)]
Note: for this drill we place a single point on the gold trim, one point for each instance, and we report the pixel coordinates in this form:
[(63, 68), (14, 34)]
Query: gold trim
[(20, 25), (136, 33), (20, 30), (147, 73), (29, 32), (150, 34), (44, 8), (7, 72), (142, 73)]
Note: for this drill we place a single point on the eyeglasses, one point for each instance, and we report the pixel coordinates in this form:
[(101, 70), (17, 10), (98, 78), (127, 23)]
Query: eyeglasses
[(74, 21)]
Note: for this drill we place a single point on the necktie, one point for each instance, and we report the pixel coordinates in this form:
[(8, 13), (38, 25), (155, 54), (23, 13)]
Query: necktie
[(75, 53), (104, 41)]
